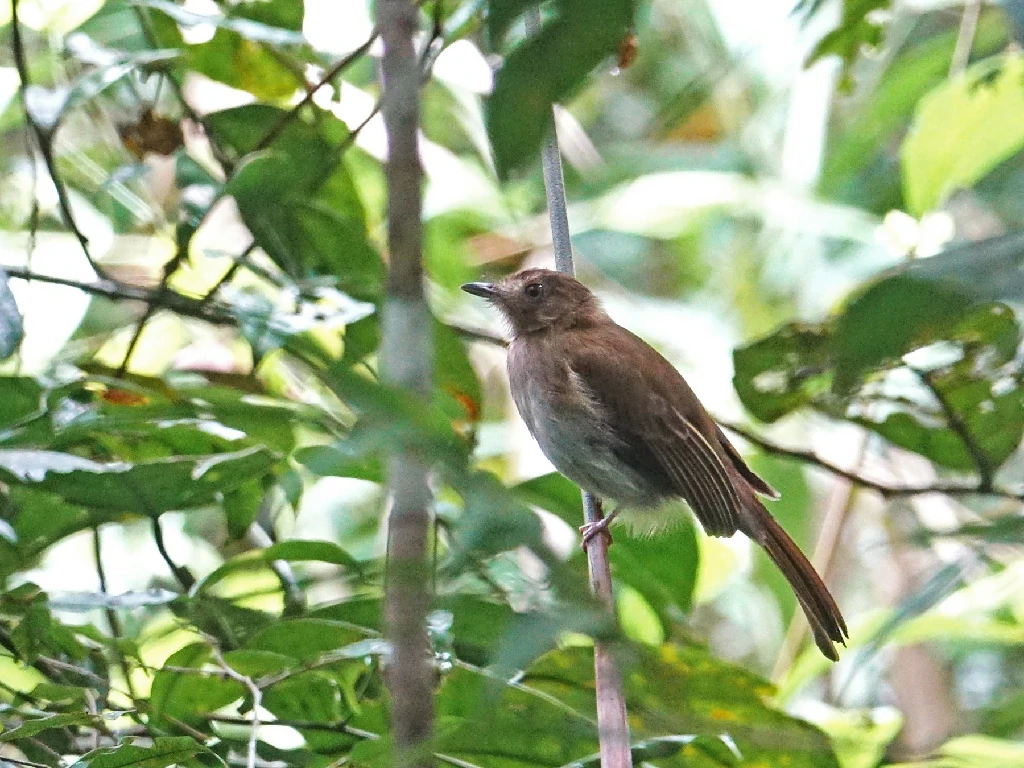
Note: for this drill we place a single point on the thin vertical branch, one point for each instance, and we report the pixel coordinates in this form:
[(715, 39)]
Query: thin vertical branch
[(965, 37), (612, 723), (116, 630), (406, 361), (44, 139)]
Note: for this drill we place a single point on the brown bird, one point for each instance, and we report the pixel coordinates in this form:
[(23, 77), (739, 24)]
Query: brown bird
[(618, 420)]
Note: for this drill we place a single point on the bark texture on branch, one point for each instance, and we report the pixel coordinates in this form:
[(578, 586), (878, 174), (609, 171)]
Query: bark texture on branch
[(406, 361)]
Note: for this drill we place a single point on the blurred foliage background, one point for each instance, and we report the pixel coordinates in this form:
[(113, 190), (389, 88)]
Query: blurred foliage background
[(814, 210)]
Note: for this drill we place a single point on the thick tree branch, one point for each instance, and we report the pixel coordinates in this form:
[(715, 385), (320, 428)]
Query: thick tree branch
[(406, 361)]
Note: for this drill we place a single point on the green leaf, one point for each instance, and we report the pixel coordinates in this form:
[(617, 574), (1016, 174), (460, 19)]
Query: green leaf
[(546, 69), (972, 752), (962, 130), (922, 302), (145, 487), (662, 567), (305, 639), (12, 330), (31, 727), (299, 200), (188, 696), (275, 25), (500, 16), (681, 689), (131, 753), (783, 372)]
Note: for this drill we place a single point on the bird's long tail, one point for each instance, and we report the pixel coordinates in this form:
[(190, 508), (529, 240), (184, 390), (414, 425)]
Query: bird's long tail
[(822, 613)]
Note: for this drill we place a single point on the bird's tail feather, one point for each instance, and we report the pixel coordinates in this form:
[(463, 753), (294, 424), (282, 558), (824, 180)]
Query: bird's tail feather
[(822, 613)]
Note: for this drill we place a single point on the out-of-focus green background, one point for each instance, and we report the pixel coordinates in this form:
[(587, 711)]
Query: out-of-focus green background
[(813, 210)]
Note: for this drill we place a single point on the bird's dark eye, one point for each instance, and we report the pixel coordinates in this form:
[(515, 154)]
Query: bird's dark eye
[(533, 290)]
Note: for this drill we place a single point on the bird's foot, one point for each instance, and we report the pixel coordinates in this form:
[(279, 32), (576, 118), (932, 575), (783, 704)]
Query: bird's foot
[(590, 530)]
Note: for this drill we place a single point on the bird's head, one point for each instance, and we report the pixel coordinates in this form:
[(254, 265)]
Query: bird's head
[(536, 300)]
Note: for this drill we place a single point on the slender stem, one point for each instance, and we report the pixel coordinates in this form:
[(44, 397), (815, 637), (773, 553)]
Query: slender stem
[(257, 700), (180, 573), (406, 361), (960, 427), (44, 138), (332, 73), (116, 630), (965, 37), (885, 489), (612, 722)]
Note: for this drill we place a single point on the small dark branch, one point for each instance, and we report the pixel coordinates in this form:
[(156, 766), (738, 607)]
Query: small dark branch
[(116, 630), (182, 574), (885, 489), (958, 425), (16, 761), (118, 291), (44, 139), (239, 261), (162, 290), (332, 73)]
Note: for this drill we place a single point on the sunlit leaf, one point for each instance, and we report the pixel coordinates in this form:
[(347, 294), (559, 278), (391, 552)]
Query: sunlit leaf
[(962, 130)]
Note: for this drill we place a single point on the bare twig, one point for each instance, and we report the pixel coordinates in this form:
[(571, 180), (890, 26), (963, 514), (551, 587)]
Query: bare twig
[(959, 426), (965, 37), (885, 489), (116, 630), (332, 73), (406, 361), (257, 700), (612, 723), (44, 139), (112, 289), (182, 574)]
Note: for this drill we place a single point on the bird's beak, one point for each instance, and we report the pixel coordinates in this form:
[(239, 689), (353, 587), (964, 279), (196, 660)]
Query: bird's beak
[(485, 290)]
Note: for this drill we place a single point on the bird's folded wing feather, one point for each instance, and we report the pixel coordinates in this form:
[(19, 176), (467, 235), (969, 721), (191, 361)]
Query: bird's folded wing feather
[(653, 431)]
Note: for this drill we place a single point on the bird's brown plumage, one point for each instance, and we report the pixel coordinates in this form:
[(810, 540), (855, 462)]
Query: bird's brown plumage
[(615, 417)]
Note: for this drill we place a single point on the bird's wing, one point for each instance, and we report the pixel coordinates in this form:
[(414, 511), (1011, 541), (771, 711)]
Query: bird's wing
[(756, 482), (654, 436)]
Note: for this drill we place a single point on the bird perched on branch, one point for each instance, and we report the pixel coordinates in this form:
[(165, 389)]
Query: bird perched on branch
[(618, 420)]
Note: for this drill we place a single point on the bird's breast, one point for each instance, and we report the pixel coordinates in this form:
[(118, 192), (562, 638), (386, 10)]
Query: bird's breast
[(574, 431)]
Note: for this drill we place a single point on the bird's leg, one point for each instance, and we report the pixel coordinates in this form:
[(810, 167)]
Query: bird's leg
[(590, 530)]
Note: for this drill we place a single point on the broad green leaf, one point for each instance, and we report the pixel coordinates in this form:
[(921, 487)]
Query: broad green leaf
[(340, 460), (861, 737), (30, 727), (305, 639), (275, 25), (972, 752), (548, 68), (312, 222), (145, 488), (784, 371), (962, 130), (187, 696), (136, 753), (679, 689), (12, 329), (922, 301)]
